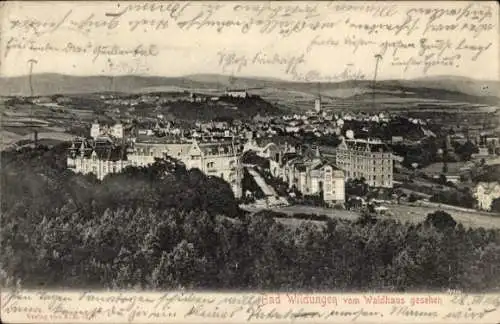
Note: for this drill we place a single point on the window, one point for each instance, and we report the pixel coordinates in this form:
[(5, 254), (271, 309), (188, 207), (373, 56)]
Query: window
[(222, 176)]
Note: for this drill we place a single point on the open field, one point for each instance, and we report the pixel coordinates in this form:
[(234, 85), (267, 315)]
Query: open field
[(468, 219), (8, 139), (403, 213), (437, 168)]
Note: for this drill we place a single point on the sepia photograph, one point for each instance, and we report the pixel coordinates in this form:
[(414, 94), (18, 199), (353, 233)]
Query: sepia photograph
[(279, 146)]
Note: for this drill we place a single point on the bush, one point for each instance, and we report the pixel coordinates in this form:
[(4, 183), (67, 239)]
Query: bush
[(413, 198), (441, 220), (455, 197)]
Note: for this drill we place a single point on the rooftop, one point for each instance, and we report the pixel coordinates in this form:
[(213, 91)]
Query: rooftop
[(219, 148), (160, 140), (368, 145)]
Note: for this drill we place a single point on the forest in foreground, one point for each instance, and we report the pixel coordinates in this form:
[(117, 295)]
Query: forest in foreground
[(164, 227)]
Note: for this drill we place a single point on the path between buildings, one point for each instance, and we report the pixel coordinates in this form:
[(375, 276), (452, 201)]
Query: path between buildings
[(266, 189)]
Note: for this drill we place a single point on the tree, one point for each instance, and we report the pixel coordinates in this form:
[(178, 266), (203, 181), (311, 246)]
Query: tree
[(445, 167), (413, 198), (356, 187), (366, 218), (495, 205), (466, 150), (440, 220)]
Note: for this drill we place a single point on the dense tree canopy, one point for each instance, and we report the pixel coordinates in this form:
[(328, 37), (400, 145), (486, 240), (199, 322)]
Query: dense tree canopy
[(164, 227)]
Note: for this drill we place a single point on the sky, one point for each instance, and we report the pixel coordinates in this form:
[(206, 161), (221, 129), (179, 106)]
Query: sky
[(330, 42)]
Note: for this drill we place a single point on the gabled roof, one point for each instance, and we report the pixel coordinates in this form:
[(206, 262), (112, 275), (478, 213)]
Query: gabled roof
[(103, 150)]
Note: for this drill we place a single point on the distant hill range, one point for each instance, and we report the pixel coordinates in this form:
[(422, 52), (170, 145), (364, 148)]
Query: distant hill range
[(452, 88)]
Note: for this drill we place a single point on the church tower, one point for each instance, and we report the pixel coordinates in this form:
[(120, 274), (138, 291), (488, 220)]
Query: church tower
[(317, 102)]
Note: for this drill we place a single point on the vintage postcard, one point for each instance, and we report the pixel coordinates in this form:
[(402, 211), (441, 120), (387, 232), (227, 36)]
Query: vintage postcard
[(246, 161)]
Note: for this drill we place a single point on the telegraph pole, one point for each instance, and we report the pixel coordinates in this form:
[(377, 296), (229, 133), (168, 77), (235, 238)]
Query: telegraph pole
[(32, 62), (378, 57)]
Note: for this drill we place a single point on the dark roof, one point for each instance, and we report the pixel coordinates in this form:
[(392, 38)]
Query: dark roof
[(371, 147), (160, 140), (104, 150), (219, 148), (288, 156), (301, 167), (320, 165)]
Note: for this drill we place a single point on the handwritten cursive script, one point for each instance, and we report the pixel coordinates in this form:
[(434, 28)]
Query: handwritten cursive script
[(288, 38), (182, 306)]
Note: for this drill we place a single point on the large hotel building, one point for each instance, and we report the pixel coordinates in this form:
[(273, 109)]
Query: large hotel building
[(368, 159), (221, 159)]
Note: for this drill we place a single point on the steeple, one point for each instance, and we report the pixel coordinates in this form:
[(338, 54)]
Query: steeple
[(317, 102)]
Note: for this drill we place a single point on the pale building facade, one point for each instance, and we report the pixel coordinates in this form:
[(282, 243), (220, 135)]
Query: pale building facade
[(485, 193), (268, 150), (368, 159), (310, 175), (89, 157), (214, 159), (97, 130), (217, 159), (220, 159), (236, 93), (145, 153)]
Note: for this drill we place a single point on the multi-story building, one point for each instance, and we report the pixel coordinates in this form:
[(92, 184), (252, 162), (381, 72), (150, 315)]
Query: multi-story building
[(236, 93), (147, 148), (221, 159), (310, 175), (97, 130), (368, 159), (98, 158)]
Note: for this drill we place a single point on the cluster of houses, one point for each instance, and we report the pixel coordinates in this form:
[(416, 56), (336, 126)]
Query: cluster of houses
[(311, 174), (308, 171), (102, 157), (156, 99), (216, 148)]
